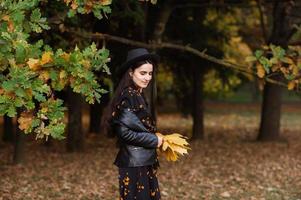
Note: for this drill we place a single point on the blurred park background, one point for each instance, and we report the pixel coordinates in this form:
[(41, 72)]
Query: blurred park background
[(228, 79)]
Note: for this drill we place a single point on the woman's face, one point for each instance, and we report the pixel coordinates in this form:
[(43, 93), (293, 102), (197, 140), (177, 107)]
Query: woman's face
[(142, 75)]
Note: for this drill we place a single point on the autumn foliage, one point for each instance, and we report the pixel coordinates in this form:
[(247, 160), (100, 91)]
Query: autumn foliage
[(31, 72)]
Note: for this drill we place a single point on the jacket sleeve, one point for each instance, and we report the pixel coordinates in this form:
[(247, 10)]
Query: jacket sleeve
[(131, 137)]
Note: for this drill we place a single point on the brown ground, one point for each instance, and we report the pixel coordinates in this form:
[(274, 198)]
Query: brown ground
[(227, 164)]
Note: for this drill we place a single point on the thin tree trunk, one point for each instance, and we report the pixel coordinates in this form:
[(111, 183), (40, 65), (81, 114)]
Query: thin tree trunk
[(198, 105), (95, 117), (160, 24), (270, 114), (75, 136), (8, 132), (271, 106), (96, 111), (19, 148)]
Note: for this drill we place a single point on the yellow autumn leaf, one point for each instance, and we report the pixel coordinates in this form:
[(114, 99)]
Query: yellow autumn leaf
[(295, 70), (291, 85), (44, 110), (178, 149), (86, 64), (46, 58), (287, 60), (63, 74), (44, 75), (283, 70), (176, 138), (275, 67), (67, 1), (34, 64), (173, 145), (25, 120), (66, 56), (170, 155), (105, 2), (29, 92), (10, 23), (6, 18), (74, 5), (164, 145), (260, 71)]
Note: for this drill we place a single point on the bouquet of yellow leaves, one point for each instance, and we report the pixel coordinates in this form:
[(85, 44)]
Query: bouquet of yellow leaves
[(173, 146)]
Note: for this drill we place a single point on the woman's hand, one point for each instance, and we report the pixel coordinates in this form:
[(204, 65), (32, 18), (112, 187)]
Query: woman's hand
[(160, 139)]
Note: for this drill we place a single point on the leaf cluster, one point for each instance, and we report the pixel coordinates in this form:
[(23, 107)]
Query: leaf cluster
[(272, 60), (32, 72), (98, 7)]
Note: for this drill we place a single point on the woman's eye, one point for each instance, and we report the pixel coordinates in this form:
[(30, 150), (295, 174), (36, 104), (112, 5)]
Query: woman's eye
[(151, 73), (142, 73)]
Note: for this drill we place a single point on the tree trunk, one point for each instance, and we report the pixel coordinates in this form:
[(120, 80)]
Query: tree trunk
[(198, 105), (270, 114), (8, 132), (159, 28), (19, 148), (95, 117), (271, 106), (96, 111), (75, 136)]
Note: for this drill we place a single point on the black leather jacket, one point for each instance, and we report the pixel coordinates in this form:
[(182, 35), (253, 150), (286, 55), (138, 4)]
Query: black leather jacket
[(137, 144)]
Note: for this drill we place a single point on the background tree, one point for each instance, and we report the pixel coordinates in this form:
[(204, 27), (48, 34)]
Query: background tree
[(282, 31)]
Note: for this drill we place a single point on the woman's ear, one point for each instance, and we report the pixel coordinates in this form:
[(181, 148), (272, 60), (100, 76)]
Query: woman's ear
[(131, 73)]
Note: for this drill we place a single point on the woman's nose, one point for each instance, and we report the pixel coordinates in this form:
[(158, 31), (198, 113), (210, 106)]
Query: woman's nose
[(148, 78)]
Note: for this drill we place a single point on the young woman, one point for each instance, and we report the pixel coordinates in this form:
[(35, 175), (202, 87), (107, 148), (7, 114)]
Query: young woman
[(131, 121)]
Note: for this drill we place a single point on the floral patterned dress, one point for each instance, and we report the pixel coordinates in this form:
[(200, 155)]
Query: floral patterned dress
[(139, 183)]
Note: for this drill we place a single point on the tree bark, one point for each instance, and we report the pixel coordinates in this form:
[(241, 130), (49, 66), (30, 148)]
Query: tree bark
[(19, 148), (96, 111), (198, 105), (159, 28), (75, 136), (270, 113), (8, 132), (95, 117), (271, 106)]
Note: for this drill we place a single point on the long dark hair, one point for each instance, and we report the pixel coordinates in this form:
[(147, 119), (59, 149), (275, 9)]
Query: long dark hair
[(125, 82)]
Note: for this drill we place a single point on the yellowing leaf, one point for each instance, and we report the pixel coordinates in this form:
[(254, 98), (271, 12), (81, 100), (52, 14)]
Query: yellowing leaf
[(44, 110), (105, 2), (260, 71), (63, 74), (86, 64), (66, 56), (295, 70), (9, 22), (164, 145), (283, 70), (29, 92), (174, 145), (25, 120), (178, 149), (275, 68), (74, 5), (46, 57), (176, 139), (44, 75), (34, 64), (291, 85), (287, 60), (6, 18)]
